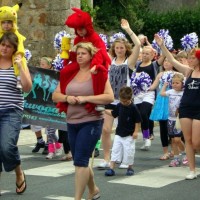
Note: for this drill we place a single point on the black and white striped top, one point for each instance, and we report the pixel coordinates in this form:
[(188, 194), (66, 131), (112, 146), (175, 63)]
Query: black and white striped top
[(10, 95)]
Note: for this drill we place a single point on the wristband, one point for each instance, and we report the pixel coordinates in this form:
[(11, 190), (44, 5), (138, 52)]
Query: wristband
[(66, 98), (131, 34)]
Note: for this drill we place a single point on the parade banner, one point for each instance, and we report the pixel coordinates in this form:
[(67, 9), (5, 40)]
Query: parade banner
[(39, 109)]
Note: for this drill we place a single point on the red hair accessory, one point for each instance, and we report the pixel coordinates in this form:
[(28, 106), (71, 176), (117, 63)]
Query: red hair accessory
[(197, 54)]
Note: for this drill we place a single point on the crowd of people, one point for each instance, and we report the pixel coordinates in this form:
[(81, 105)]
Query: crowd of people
[(130, 82)]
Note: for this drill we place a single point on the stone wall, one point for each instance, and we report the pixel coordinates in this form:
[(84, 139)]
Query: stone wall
[(39, 21)]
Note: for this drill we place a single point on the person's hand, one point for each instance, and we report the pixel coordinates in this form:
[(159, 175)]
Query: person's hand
[(18, 60), (93, 70), (158, 39), (72, 100), (135, 135), (124, 24), (165, 84), (81, 99)]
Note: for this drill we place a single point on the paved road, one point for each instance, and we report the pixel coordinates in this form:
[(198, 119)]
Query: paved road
[(54, 179)]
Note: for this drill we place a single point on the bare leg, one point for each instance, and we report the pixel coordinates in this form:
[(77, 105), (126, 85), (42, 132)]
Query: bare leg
[(186, 125), (82, 175), (106, 136), (19, 177), (93, 189)]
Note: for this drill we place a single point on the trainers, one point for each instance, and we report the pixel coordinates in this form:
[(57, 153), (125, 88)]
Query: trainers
[(129, 172), (185, 161), (38, 146), (58, 152), (110, 172), (123, 166), (50, 155), (175, 163), (104, 165), (45, 151), (192, 175), (146, 146)]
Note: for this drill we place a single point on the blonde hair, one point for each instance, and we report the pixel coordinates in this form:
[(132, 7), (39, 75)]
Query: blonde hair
[(178, 76), (127, 45), (88, 46), (48, 60), (181, 54)]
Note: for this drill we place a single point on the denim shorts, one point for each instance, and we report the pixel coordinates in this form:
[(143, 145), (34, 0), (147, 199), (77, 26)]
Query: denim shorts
[(10, 125), (82, 139)]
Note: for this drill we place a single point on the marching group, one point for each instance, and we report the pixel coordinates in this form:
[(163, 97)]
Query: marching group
[(136, 85)]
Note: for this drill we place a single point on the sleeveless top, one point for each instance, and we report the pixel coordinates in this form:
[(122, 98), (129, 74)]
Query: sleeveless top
[(77, 113), (10, 95), (191, 93), (119, 77), (148, 96)]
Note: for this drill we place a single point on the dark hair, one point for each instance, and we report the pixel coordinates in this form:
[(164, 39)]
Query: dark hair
[(11, 38), (125, 93)]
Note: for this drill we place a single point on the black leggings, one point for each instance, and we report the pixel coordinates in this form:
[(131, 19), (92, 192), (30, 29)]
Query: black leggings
[(164, 133), (145, 111), (63, 138)]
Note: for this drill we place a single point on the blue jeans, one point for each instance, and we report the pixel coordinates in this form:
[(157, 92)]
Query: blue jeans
[(82, 139), (10, 125)]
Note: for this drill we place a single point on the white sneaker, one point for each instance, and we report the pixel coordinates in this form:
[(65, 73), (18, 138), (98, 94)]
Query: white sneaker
[(146, 146), (123, 166), (103, 165), (59, 152), (192, 175), (50, 155)]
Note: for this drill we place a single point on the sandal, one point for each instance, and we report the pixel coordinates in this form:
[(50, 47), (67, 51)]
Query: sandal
[(95, 196), (164, 157), (19, 187), (66, 158)]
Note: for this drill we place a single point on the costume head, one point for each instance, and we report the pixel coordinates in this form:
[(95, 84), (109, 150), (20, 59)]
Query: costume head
[(80, 19), (9, 14)]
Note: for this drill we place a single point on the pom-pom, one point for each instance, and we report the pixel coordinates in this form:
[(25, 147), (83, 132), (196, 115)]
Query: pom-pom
[(116, 36), (140, 82), (58, 39), (167, 77), (104, 38), (57, 63), (27, 55), (167, 39), (189, 41)]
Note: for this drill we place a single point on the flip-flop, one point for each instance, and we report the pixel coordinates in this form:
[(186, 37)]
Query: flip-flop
[(18, 187), (164, 157), (96, 196)]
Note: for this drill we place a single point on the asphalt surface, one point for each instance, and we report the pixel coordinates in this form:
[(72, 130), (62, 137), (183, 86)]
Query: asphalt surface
[(54, 179)]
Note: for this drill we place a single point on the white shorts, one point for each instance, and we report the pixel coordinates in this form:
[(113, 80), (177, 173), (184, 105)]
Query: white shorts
[(123, 150), (148, 96), (36, 128)]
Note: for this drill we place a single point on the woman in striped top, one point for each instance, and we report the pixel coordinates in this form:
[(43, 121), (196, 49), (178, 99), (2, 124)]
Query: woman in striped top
[(11, 107)]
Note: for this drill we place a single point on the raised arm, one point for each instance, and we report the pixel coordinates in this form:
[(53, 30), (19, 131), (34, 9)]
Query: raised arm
[(180, 67), (132, 59)]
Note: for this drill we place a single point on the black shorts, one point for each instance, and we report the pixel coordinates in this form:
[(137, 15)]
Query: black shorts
[(110, 106), (188, 112)]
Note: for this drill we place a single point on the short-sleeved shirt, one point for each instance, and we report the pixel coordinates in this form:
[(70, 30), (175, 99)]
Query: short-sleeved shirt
[(174, 102), (128, 116)]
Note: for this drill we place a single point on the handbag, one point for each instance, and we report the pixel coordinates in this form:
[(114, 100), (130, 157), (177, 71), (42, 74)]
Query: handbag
[(177, 124)]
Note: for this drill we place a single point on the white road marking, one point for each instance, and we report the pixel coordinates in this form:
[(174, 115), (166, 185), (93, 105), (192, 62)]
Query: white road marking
[(156, 178), (4, 191), (55, 170), (59, 197)]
